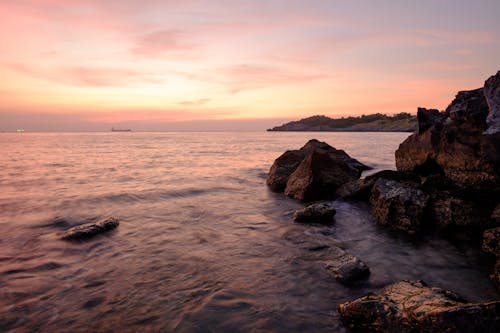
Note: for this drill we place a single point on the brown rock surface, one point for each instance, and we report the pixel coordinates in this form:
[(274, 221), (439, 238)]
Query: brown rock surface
[(86, 231)]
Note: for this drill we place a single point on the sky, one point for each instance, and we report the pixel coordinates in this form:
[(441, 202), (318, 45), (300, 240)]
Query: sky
[(235, 65)]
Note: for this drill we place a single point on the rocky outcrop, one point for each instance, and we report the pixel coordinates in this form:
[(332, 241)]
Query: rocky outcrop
[(313, 172), (322, 213), (453, 142), (86, 231), (399, 205), (491, 244), (492, 94), (412, 306), (347, 269)]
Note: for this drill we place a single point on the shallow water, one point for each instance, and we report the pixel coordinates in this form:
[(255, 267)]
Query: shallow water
[(203, 245)]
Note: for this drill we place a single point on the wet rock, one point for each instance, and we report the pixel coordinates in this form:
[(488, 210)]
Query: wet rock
[(310, 163), (456, 146), (361, 188), (492, 94), (315, 213), (89, 230), (399, 205), (347, 269), (491, 241), (282, 168), (412, 306)]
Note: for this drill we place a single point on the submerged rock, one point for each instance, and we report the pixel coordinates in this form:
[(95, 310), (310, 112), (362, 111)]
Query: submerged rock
[(313, 172), (399, 205), (315, 213), (89, 230), (347, 269), (412, 306)]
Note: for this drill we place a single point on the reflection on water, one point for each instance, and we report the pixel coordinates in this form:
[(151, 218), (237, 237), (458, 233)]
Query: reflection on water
[(202, 245)]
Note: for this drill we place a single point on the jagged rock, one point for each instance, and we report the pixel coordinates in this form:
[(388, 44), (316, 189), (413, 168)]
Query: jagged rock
[(495, 216), (428, 118), (315, 213), (399, 205), (361, 188), (412, 306), (288, 162), (492, 94), (470, 108), (491, 241), (347, 269), (89, 230), (449, 211), (452, 143)]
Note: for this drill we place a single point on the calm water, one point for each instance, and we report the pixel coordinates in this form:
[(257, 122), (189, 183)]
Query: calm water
[(203, 245)]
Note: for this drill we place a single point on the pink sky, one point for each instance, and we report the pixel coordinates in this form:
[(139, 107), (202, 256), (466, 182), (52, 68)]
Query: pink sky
[(166, 65)]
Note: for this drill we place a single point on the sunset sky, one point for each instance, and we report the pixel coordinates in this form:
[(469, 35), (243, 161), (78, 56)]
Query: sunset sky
[(208, 65)]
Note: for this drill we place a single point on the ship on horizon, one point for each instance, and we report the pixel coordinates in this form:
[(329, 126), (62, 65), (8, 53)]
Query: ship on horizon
[(113, 129)]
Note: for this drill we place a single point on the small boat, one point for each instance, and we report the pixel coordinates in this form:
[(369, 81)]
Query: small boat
[(120, 129)]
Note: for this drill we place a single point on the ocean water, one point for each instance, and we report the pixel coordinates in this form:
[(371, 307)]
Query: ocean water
[(203, 245)]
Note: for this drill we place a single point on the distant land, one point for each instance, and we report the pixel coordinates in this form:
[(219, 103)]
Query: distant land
[(401, 122)]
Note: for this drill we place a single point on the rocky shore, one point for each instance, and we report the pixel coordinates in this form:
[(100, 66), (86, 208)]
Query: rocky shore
[(447, 183)]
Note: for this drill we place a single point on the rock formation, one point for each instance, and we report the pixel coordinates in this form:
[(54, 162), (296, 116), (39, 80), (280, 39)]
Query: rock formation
[(315, 213), (411, 306), (86, 231), (313, 172), (463, 142), (347, 269)]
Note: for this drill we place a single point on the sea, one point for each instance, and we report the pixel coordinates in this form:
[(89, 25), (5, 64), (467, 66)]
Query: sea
[(203, 245)]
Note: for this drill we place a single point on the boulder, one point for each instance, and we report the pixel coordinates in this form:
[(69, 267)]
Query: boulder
[(347, 269), (86, 231), (495, 216), (491, 244), (449, 211), (399, 205), (315, 213), (453, 142), (309, 166), (362, 188), (412, 306), (492, 94)]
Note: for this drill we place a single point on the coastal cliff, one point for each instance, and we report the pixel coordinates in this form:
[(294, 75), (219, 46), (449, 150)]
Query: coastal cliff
[(402, 122)]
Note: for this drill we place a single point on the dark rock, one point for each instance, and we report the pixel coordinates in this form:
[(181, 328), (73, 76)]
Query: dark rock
[(495, 216), (347, 269), (315, 213), (449, 211), (456, 146), (411, 306), (470, 108), (491, 241), (361, 188), (288, 162), (428, 118), (492, 94), (89, 230), (399, 205), (282, 168), (495, 275)]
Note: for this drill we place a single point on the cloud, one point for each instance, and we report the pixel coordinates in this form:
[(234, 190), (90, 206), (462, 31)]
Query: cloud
[(162, 42), (86, 76), (245, 76), (201, 101)]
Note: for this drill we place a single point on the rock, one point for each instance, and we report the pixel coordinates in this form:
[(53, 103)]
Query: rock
[(449, 211), (470, 108), (361, 188), (89, 230), (491, 241), (347, 269), (285, 165), (399, 205), (315, 213), (411, 306), (495, 275), (282, 168), (492, 94), (428, 118), (495, 216)]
